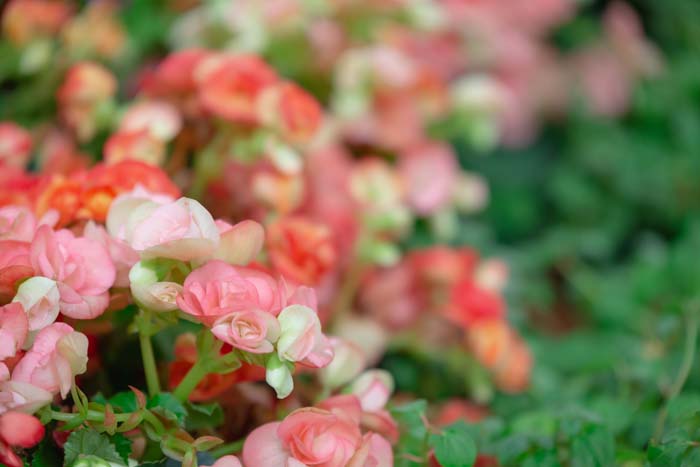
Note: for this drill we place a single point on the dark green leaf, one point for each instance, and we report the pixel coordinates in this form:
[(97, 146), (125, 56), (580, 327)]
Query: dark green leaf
[(169, 406), (454, 447), (86, 442)]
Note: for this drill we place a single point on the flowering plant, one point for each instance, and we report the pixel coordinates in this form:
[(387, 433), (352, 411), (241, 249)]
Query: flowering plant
[(265, 234)]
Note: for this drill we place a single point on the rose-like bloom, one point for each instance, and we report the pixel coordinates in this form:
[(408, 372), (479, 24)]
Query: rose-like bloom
[(81, 267), (373, 388), (218, 289), (26, 20), (59, 354), (20, 430), (315, 437), (19, 223), (160, 119), (239, 243), (429, 173), (500, 349), (15, 265), (295, 112), (230, 86), (139, 145), (250, 330), (182, 229), (15, 145), (22, 397), (301, 249), (123, 256), (470, 303), (86, 87), (39, 298), (13, 330), (176, 73), (348, 361), (301, 339)]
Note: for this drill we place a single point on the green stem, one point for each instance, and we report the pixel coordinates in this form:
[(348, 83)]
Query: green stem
[(92, 416), (691, 337), (196, 374), (149, 361), (228, 448)]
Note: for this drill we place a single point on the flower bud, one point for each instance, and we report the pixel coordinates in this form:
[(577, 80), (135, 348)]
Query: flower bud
[(279, 376), (373, 388), (348, 362), (300, 330), (40, 298), (149, 291)]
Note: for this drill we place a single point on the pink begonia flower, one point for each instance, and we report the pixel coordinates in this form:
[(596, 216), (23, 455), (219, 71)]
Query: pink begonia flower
[(349, 360), (14, 266), (123, 256), (19, 223), (240, 243), (349, 405), (82, 268), (218, 289), (251, 330), (151, 293), (310, 436), (182, 230), (429, 172), (226, 461), (373, 388), (22, 397), (301, 339), (13, 331), (15, 145), (20, 429), (39, 298), (160, 118), (124, 205), (58, 354)]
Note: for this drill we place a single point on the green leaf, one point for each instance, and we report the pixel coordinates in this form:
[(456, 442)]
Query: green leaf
[(169, 406), (46, 454), (87, 442), (454, 447), (203, 416), (413, 433), (122, 445), (124, 401)]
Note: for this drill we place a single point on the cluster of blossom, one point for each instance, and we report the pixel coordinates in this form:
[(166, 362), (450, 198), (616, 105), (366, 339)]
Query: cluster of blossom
[(396, 67), (466, 290)]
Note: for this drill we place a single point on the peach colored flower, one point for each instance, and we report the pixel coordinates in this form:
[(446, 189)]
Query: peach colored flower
[(20, 430), (301, 339), (15, 145), (22, 397), (139, 145), (82, 268), (161, 119), (15, 265), (429, 172), (253, 331), (301, 249), (230, 86), (182, 229), (295, 112), (470, 303), (39, 297), (309, 436), (123, 256), (58, 354), (218, 289), (13, 330)]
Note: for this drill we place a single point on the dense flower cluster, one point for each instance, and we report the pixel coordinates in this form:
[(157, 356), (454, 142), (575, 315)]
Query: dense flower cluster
[(257, 220)]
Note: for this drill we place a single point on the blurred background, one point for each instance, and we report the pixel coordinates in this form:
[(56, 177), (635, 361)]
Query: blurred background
[(579, 125)]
